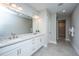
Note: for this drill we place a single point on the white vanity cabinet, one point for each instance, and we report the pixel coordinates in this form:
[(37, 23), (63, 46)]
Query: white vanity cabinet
[(23, 48), (19, 49), (36, 44)]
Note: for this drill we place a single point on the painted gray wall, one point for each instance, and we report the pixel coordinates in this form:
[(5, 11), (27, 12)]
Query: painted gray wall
[(75, 23), (12, 23)]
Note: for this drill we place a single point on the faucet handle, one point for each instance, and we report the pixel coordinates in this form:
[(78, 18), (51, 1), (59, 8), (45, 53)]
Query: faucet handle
[(12, 33)]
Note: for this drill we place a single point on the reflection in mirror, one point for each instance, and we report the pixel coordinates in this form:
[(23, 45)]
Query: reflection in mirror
[(13, 23)]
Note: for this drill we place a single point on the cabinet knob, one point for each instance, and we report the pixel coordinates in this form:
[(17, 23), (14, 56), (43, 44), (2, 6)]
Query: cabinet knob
[(18, 51), (40, 40)]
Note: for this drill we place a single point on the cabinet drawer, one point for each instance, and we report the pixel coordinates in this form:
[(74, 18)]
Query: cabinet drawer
[(11, 53), (7, 49)]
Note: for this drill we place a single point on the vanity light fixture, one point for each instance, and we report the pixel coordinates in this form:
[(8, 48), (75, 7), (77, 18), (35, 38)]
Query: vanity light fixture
[(13, 5), (20, 8), (16, 7), (35, 17)]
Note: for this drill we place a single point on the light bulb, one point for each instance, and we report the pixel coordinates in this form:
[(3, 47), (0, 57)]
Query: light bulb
[(13, 5), (20, 8), (35, 16)]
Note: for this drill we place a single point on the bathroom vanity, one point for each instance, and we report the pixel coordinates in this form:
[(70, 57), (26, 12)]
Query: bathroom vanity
[(24, 45), (13, 40)]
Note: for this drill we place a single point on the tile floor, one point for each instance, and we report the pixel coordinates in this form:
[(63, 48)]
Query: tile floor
[(59, 49)]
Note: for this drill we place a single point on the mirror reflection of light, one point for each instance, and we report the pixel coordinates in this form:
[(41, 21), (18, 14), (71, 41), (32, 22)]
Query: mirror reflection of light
[(13, 5), (3, 9), (20, 8), (4, 12), (35, 17)]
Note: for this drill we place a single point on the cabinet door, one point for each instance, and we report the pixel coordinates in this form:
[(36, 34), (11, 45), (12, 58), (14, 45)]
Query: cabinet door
[(38, 41), (7, 49), (36, 44), (25, 51), (43, 40), (25, 48)]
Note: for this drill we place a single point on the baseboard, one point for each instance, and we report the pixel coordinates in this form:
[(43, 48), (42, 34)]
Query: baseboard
[(53, 42)]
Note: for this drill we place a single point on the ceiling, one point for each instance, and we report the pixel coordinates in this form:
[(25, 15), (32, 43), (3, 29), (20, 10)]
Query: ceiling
[(54, 7)]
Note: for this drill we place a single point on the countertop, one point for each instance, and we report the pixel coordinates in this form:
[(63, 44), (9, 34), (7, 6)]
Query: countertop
[(7, 42)]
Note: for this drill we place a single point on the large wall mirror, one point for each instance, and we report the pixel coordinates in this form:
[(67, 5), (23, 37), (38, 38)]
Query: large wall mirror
[(14, 22)]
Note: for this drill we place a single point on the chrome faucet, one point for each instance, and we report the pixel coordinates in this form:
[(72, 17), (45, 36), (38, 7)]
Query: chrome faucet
[(13, 36)]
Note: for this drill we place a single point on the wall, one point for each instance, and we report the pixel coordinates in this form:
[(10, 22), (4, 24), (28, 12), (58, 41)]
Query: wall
[(75, 23), (12, 23), (42, 22), (47, 25), (68, 20), (53, 28), (37, 24)]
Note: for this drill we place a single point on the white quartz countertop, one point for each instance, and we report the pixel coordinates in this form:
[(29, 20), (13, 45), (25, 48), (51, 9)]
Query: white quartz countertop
[(7, 42)]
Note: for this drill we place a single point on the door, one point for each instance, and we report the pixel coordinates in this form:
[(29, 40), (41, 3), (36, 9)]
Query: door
[(61, 29)]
